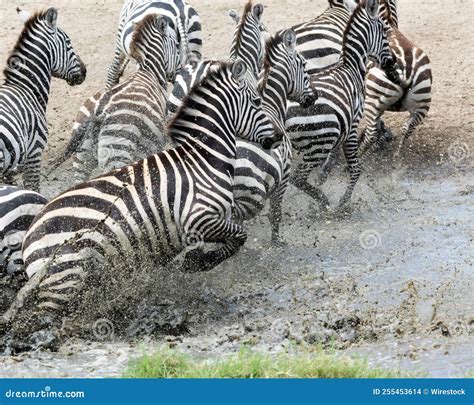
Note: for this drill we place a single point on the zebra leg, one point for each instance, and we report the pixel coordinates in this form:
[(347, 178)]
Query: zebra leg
[(116, 68), (350, 147), (84, 161), (416, 117), (299, 180), (275, 215), (232, 235), (31, 174)]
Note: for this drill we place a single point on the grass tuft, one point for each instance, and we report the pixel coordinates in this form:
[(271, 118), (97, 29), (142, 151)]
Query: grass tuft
[(168, 363)]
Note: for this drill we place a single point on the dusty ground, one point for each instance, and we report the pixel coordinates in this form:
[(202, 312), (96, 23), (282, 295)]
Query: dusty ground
[(394, 282)]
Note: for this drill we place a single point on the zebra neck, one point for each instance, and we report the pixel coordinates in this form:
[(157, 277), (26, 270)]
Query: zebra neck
[(30, 71), (155, 68), (355, 47), (205, 141), (274, 98)]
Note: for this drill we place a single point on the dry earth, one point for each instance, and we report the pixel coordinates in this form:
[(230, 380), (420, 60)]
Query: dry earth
[(394, 282)]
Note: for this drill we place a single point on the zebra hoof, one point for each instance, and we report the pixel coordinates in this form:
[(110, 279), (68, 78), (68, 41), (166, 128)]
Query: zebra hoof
[(194, 262)]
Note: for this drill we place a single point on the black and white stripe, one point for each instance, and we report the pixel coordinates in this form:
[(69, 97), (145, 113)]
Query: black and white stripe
[(151, 210), (126, 122), (320, 40), (262, 175), (18, 208), (247, 44), (411, 92), (184, 23), (43, 50), (317, 132)]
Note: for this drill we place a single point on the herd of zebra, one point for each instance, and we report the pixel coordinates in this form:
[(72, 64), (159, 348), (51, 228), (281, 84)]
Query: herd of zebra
[(183, 169)]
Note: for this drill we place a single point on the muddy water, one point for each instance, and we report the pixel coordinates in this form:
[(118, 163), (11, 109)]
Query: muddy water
[(392, 281)]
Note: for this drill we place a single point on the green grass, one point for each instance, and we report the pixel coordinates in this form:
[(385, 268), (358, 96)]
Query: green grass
[(167, 363)]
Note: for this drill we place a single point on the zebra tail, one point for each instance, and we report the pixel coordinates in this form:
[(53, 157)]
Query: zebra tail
[(85, 130)]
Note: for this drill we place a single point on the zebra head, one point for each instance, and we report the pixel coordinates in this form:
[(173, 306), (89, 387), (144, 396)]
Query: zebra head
[(250, 121), (300, 89), (378, 46), (248, 43), (154, 48), (64, 62)]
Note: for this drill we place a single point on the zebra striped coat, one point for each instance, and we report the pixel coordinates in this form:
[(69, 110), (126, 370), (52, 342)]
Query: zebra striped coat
[(411, 92), (126, 123), (43, 50), (247, 44), (317, 132), (156, 207), (184, 23), (262, 175), (18, 208)]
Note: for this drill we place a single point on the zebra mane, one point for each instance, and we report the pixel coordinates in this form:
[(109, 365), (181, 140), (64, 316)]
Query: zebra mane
[(358, 10), (214, 71), (238, 34), (388, 15), (32, 21), (139, 36), (271, 44)]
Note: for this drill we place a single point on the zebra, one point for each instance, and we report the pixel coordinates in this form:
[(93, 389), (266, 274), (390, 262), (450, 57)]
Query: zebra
[(43, 50), (412, 92), (18, 208), (320, 40), (262, 175), (247, 44), (184, 23), (154, 208), (125, 123), (317, 132)]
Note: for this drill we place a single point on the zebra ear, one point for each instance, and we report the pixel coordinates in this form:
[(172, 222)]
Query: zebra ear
[(239, 69), (51, 17), (162, 24), (289, 39), (234, 15), (258, 11), (23, 15), (351, 5), (372, 8)]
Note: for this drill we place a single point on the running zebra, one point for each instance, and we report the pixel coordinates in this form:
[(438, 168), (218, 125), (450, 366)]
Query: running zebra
[(317, 132), (262, 175), (151, 210), (247, 44), (412, 91), (18, 208), (43, 50), (184, 23), (126, 122)]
